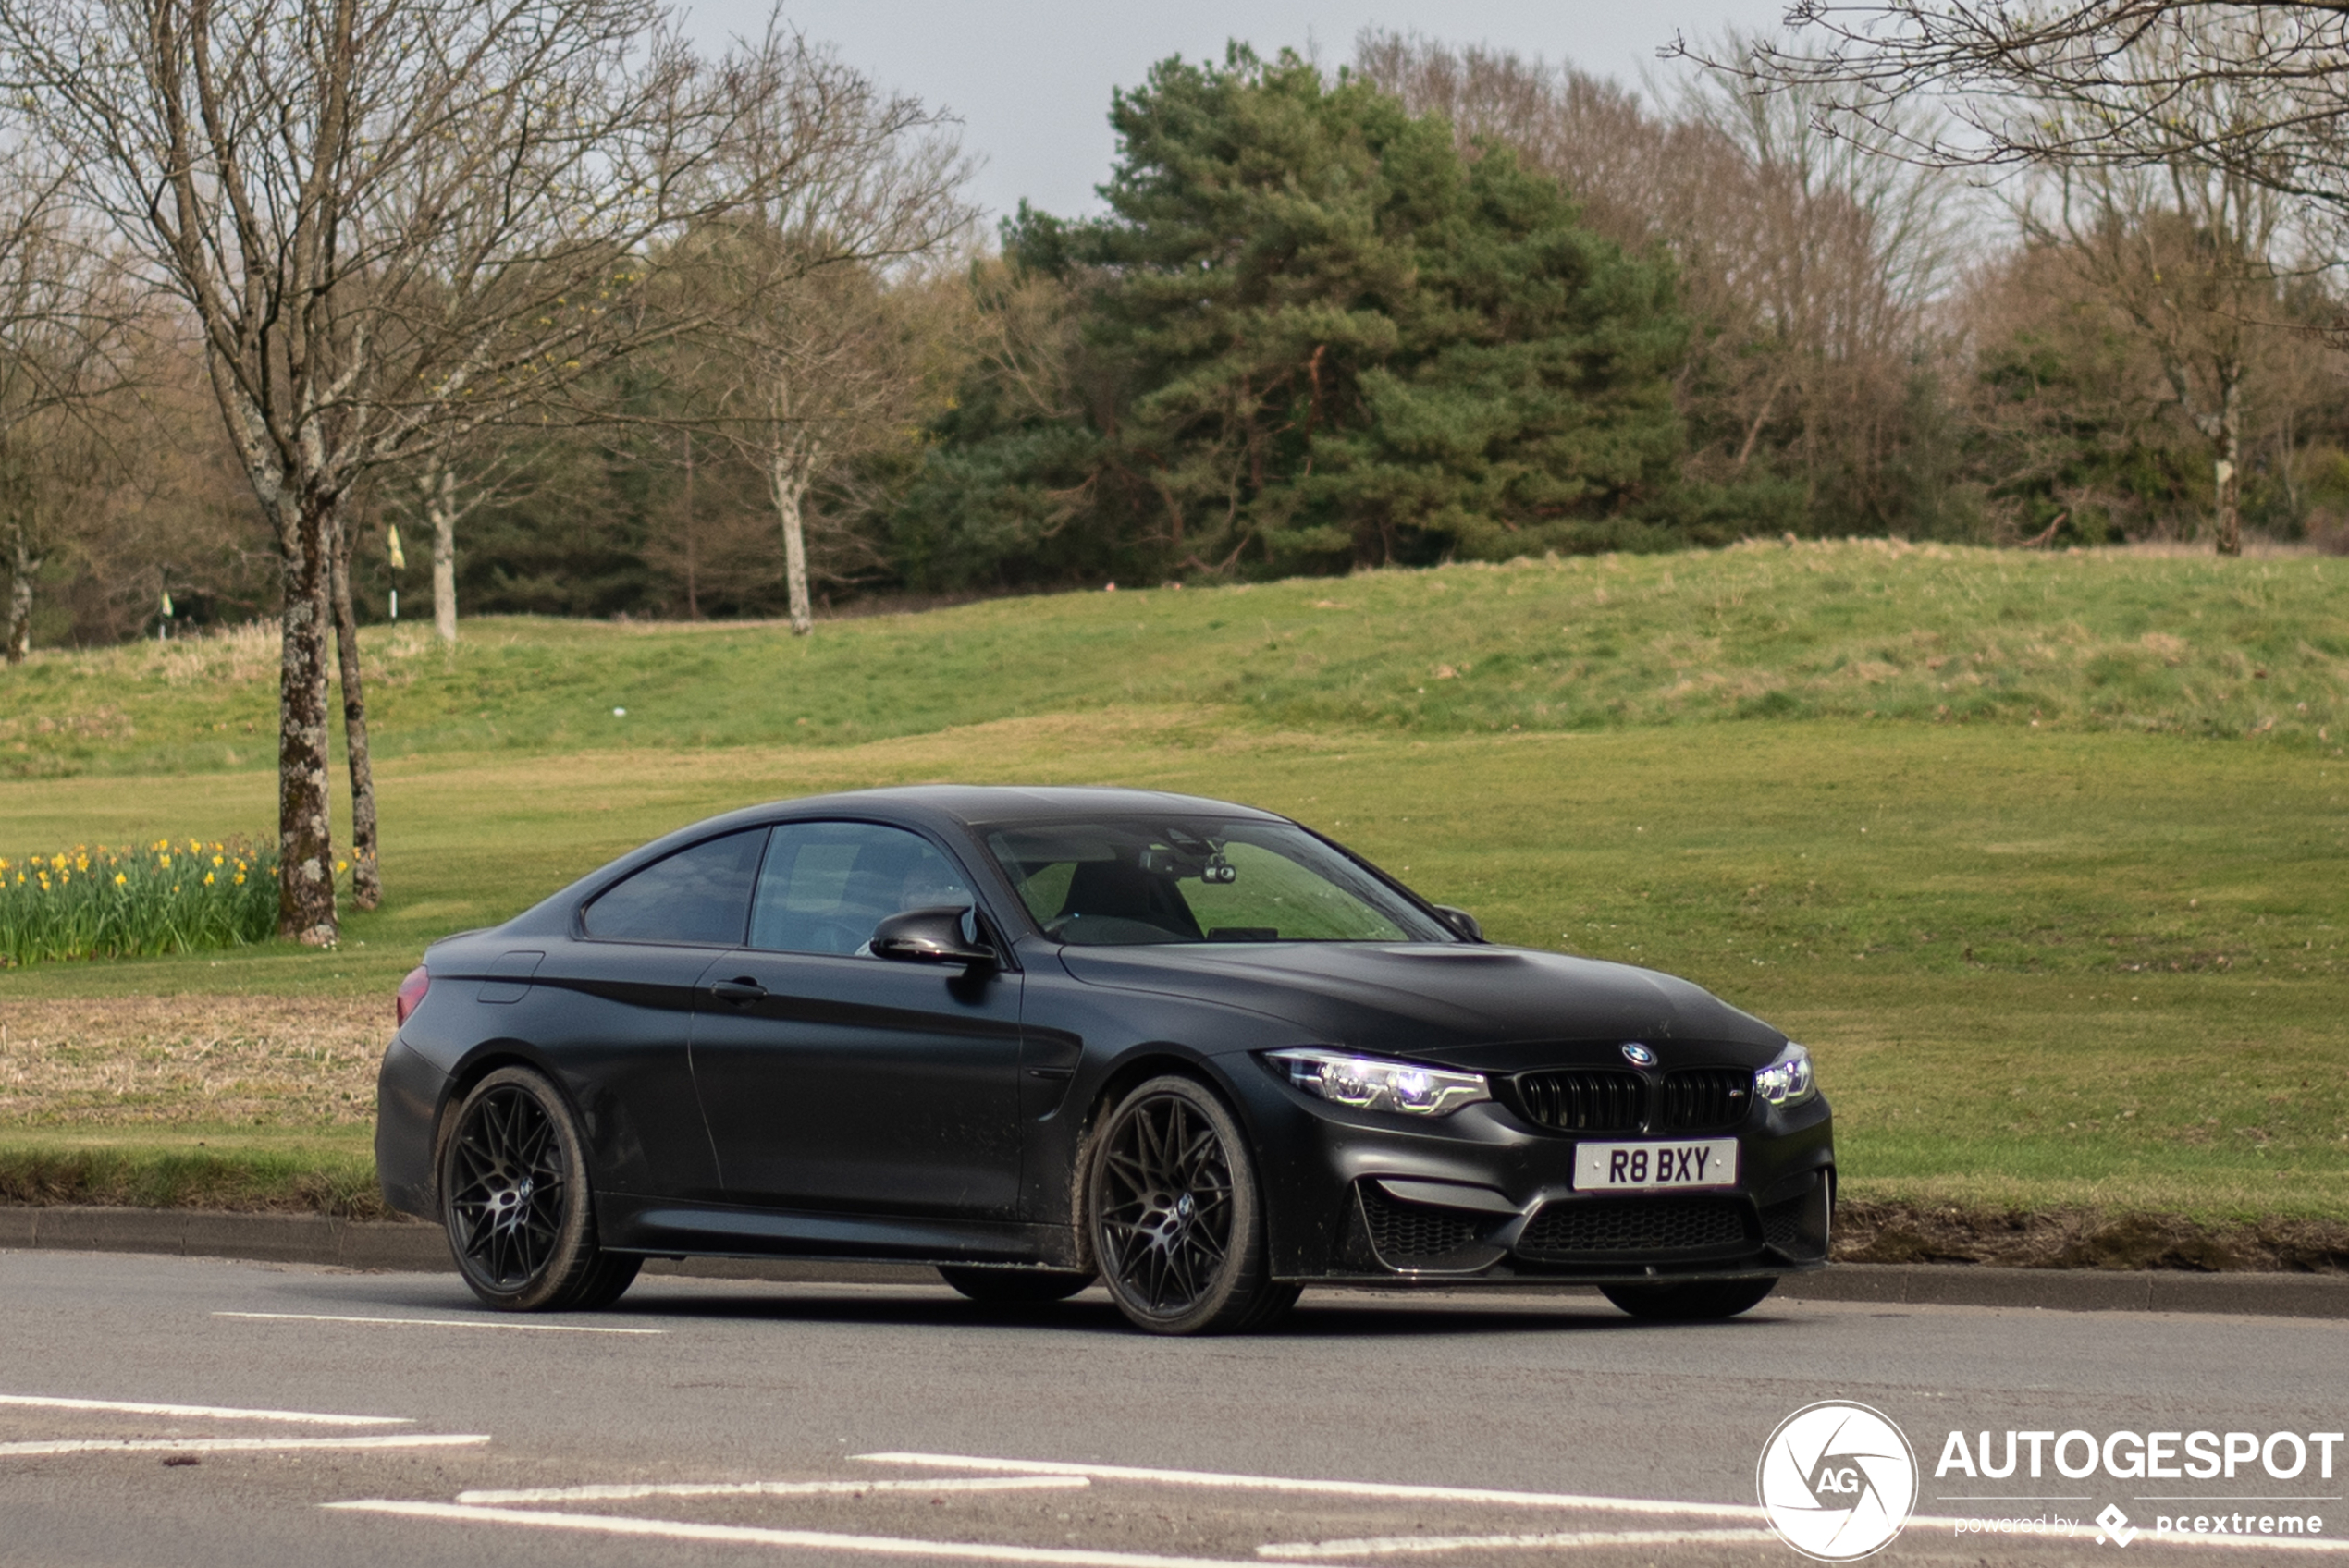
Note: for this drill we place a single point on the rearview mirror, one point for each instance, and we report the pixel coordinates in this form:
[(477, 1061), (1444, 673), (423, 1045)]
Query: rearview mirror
[(932, 935), (1461, 921)]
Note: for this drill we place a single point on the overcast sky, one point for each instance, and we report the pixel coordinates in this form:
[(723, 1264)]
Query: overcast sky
[(1031, 78)]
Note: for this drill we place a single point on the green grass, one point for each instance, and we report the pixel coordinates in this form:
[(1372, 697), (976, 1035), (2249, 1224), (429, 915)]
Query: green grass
[(2040, 968), (301, 1170), (2047, 856), (2091, 642)]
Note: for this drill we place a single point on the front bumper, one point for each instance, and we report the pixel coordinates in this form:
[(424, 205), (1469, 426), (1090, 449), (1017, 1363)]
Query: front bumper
[(1484, 1195)]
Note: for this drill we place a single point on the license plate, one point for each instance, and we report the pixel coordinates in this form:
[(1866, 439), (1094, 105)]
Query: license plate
[(1645, 1166)]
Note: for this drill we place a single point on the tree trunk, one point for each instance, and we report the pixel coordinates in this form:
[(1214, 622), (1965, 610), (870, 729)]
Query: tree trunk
[(366, 878), (2229, 488), (440, 505), (22, 567), (789, 479), (693, 592), (305, 830)]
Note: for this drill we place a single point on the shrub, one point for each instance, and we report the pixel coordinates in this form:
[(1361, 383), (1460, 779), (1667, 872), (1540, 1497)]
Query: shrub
[(172, 896)]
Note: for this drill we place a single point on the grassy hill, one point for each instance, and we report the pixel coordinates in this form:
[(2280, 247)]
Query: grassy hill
[(2095, 960), (1863, 629)]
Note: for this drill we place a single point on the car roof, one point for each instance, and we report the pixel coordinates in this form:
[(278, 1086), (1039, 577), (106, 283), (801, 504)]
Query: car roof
[(993, 804)]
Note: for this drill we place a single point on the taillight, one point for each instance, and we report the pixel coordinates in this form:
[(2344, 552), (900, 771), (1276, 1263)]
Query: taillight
[(412, 993)]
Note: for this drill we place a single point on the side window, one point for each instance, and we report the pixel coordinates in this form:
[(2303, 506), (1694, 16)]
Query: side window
[(828, 883), (700, 895)]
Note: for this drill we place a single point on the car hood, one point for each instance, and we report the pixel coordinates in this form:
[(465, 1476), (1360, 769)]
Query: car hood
[(1469, 1006)]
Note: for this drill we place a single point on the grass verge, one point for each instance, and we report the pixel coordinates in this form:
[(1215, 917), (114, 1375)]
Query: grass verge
[(2092, 971), (278, 1170)]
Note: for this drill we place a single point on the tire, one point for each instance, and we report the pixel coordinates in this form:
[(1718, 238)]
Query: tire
[(1013, 1287), (1174, 1215), (1274, 1308), (1692, 1300), (515, 1205)]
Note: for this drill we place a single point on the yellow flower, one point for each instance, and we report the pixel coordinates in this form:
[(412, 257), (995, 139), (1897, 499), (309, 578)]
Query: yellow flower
[(3, 864), (215, 860), (341, 867), (208, 878), (163, 863), (175, 886), (240, 879), (82, 863), (120, 879)]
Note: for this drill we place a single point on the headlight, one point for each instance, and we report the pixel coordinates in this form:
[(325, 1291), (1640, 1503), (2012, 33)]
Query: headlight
[(1369, 1083), (1787, 1079)]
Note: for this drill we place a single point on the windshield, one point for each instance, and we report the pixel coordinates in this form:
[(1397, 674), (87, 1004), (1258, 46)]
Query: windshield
[(1126, 883)]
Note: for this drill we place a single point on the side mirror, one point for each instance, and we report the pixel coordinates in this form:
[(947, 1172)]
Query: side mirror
[(933, 935), (1461, 921)]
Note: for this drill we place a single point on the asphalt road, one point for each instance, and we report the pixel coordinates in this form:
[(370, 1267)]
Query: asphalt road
[(741, 1423)]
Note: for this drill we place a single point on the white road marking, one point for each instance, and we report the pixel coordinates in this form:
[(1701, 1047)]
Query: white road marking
[(237, 1445), (1393, 1546), (818, 1541), (623, 1491), (436, 1323), (1383, 1490), (204, 1411)]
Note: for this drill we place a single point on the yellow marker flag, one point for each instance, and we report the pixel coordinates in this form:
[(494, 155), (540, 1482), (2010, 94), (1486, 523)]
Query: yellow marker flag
[(398, 561)]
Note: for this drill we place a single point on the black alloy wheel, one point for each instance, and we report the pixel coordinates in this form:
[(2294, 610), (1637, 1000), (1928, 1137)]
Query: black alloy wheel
[(1013, 1287), (1175, 1217), (1689, 1301), (514, 1201)]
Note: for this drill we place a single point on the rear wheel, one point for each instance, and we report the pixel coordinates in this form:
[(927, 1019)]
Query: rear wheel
[(1689, 1301), (515, 1205), (1015, 1287), (1175, 1215)]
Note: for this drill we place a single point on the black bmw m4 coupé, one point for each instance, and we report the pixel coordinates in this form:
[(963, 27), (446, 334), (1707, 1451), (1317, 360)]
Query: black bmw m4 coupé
[(1042, 1036)]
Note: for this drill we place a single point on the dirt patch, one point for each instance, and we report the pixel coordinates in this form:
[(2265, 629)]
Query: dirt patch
[(2084, 1238), (150, 1060)]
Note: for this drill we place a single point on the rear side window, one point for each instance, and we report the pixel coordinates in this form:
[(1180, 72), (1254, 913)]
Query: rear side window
[(828, 883), (699, 896)]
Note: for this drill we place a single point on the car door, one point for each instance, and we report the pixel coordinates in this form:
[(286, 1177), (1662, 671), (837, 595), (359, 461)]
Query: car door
[(612, 1008), (834, 1081)]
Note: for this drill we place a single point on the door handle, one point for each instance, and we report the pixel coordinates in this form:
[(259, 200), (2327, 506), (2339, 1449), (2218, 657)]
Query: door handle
[(741, 988)]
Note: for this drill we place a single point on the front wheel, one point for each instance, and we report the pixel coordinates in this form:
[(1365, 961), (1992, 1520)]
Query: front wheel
[(1175, 1215), (1689, 1301), (514, 1201)]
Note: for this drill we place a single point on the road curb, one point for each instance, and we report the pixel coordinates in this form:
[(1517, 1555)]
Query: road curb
[(2076, 1290), (411, 1247)]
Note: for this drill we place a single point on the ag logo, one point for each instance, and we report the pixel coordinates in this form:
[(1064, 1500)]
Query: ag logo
[(1837, 1481)]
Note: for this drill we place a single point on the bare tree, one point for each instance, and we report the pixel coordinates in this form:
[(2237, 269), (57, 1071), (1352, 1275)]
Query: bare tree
[(66, 315), (2185, 254), (391, 223), (1808, 265), (2083, 83), (818, 369)]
